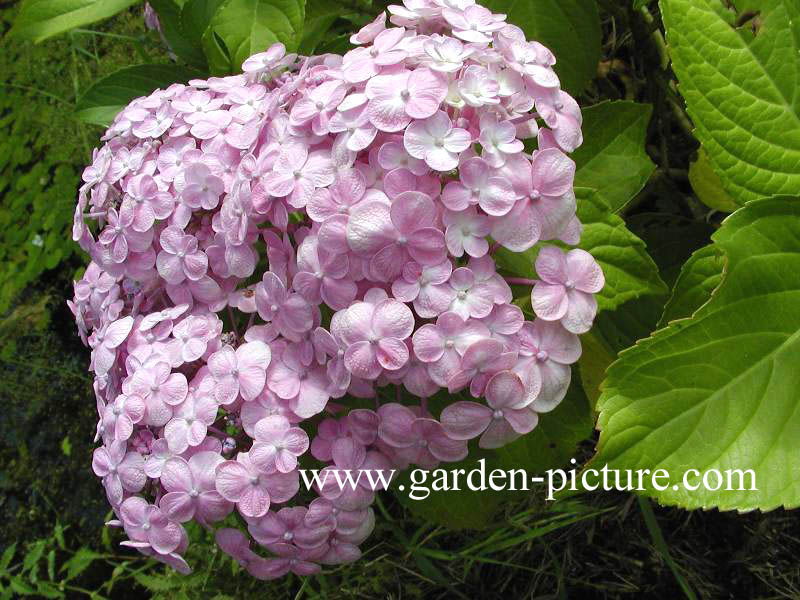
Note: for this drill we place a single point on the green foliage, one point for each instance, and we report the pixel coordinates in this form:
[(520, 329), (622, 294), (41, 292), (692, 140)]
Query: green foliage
[(179, 33), (699, 277), (41, 19), (719, 390), (101, 102), (43, 149), (739, 73), (248, 26), (708, 186), (612, 159)]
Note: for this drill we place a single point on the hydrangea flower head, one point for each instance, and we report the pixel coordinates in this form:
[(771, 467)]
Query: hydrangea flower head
[(270, 246)]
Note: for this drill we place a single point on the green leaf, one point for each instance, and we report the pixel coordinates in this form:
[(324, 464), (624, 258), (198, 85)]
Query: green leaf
[(156, 583), (707, 185), (320, 15), (250, 26), (180, 40), (20, 587), (700, 276), (8, 554), (550, 445), (101, 102), (219, 61), (195, 18), (41, 19), (628, 269), (740, 86), (612, 158), (612, 332), (570, 28), (79, 562), (34, 554), (719, 390)]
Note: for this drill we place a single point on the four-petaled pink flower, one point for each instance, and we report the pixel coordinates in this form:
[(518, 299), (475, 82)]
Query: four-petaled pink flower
[(441, 345), (190, 421), (191, 491), (436, 141), (481, 360), (145, 203), (548, 202), (479, 184), (156, 384), (390, 235), (374, 335), (180, 257), (106, 341), (322, 276), (241, 371), (421, 441), (395, 99), (120, 235), (297, 173), (121, 415), (567, 287), (202, 188), (277, 444), (288, 311), (498, 423), (474, 24), (147, 523), (466, 232), (252, 490), (305, 386), (122, 471), (263, 61)]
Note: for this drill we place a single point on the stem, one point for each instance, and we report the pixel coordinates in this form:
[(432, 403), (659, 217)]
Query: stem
[(106, 34), (233, 323), (213, 429), (33, 89), (521, 280)]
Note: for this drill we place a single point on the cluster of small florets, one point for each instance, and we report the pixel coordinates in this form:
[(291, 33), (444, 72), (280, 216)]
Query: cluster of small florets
[(272, 246)]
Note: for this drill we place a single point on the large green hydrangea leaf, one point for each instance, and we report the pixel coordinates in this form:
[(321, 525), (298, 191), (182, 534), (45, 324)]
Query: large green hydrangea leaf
[(700, 275), (250, 26), (612, 158), (740, 75), (42, 19), (720, 390)]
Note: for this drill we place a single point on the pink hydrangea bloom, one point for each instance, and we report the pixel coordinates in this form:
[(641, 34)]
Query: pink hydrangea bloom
[(498, 423), (252, 490), (271, 248), (191, 490), (241, 371), (277, 444), (374, 335), (436, 141), (567, 287)]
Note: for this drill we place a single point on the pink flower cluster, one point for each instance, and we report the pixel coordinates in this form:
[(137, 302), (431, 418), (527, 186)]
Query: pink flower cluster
[(270, 249)]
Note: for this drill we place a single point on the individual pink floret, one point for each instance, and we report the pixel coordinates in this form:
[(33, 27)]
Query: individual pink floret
[(567, 287)]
